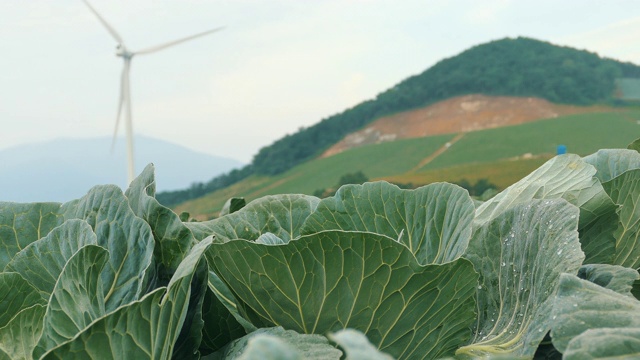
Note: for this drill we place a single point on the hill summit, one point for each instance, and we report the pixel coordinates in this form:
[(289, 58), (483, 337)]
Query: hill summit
[(509, 67), (521, 67)]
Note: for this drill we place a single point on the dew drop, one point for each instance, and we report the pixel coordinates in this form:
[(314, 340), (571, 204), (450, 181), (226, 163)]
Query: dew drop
[(559, 252), (503, 263), (479, 286)]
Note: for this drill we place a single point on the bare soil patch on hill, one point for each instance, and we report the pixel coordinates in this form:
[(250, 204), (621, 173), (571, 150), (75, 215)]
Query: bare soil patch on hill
[(455, 115)]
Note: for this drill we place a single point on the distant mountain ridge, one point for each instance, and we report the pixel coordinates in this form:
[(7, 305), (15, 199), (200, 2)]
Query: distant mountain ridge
[(65, 169), (521, 67)]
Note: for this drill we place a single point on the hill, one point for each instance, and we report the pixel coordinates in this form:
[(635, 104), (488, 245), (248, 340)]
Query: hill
[(64, 169), (520, 67), (502, 155), (509, 67)]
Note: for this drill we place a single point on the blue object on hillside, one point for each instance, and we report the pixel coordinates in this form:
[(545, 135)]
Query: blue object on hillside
[(562, 149)]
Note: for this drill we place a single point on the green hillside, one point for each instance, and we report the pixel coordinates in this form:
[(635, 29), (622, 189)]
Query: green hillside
[(375, 161), (494, 154), (510, 67), (582, 134)]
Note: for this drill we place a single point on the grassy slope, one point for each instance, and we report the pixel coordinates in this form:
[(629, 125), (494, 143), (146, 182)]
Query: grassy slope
[(374, 160), (582, 134), (482, 154)]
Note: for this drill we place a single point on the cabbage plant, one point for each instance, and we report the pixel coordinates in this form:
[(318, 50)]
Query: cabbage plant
[(545, 269)]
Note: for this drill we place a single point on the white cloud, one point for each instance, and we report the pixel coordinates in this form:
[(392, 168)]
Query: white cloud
[(618, 40), (487, 12)]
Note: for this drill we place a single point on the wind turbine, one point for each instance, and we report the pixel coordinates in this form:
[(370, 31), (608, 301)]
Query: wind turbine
[(125, 86)]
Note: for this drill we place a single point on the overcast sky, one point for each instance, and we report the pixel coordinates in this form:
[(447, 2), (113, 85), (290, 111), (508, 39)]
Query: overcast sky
[(277, 66)]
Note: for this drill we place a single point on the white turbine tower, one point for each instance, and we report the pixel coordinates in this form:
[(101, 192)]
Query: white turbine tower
[(125, 87)]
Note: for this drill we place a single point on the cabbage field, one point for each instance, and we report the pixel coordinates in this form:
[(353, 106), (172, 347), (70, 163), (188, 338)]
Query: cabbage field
[(545, 269)]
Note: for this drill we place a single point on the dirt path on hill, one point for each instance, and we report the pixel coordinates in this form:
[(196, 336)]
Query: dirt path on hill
[(458, 115), (437, 153)]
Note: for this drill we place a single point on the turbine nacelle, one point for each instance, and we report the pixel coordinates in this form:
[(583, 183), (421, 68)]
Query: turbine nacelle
[(122, 52)]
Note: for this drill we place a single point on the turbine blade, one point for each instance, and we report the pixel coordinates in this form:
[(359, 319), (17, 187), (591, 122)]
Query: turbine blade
[(129, 129), (175, 42), (104, 22), (123, 80)]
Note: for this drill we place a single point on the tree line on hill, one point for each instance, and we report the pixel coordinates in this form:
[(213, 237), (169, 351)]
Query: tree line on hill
[(357, 177), (476, 190), (507, 67)]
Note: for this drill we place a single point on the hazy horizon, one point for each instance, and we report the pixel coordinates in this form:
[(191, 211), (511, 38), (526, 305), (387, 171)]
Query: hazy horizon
[(276, 67)]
